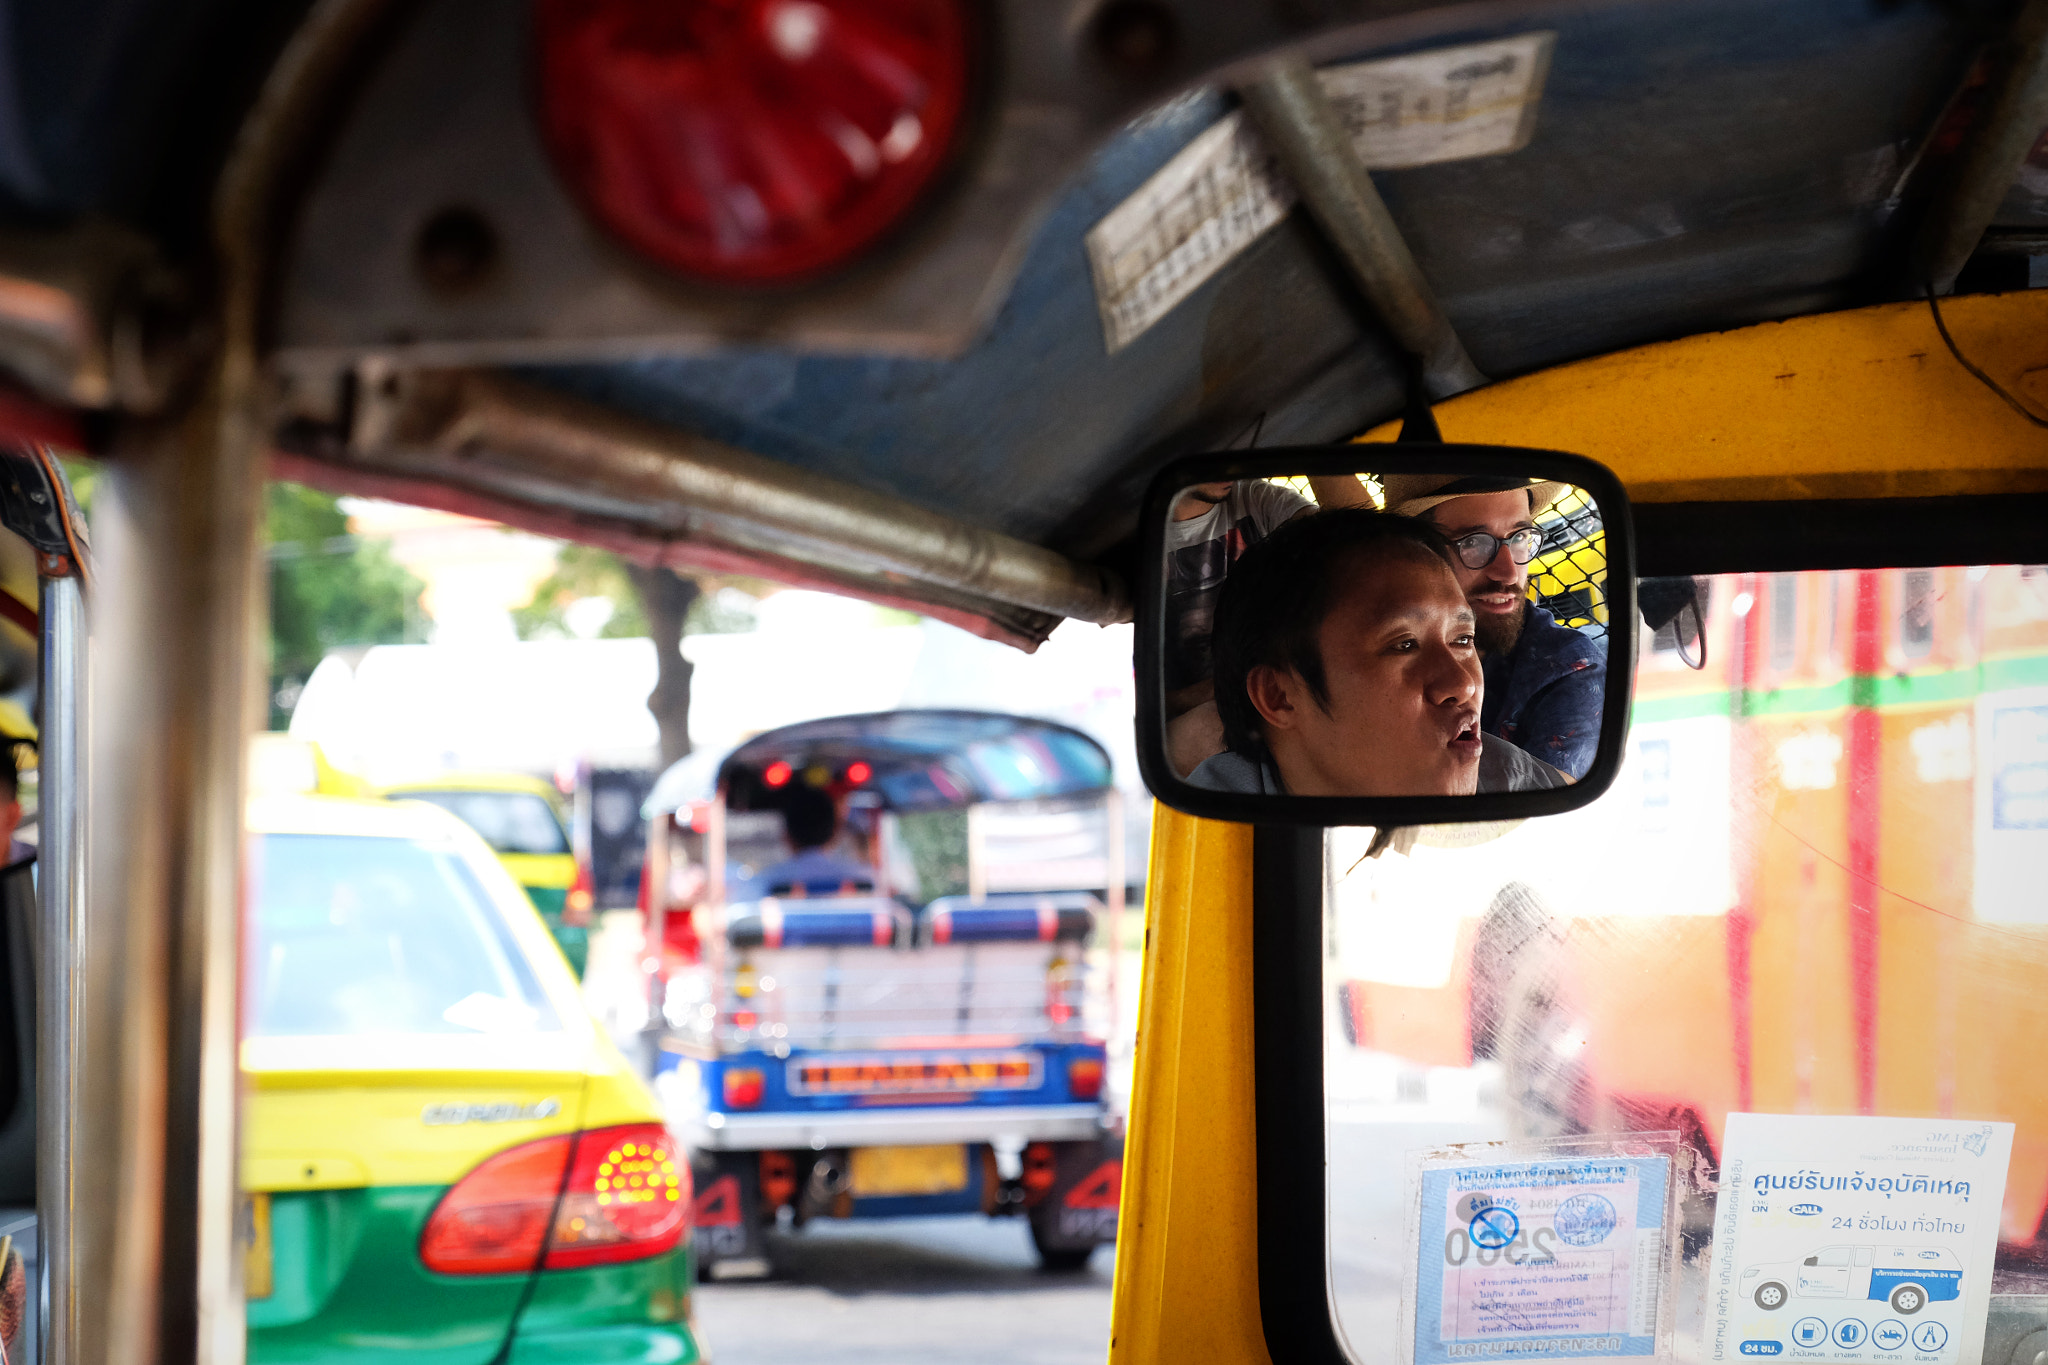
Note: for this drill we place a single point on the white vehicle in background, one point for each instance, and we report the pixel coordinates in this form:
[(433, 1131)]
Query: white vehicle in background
[(1907, 1278)]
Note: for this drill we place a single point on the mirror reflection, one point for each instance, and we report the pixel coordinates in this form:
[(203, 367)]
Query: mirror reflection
[(1406, 634)]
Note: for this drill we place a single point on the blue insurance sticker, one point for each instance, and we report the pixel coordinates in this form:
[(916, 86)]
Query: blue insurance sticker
[(1540, 1260)]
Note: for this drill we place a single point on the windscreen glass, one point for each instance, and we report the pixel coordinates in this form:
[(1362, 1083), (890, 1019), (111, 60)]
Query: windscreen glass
[(510, 822), (354, 935), (1744, 1044)]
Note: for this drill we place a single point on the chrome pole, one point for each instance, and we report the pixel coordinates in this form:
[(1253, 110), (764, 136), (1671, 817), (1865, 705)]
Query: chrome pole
[(60, 944), (1293, 113)]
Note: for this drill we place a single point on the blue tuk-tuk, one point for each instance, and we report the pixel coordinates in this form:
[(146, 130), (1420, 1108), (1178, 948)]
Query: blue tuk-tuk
[(926, 1038)]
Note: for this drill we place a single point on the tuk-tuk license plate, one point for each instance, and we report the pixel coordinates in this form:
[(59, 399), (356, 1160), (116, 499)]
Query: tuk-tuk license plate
[(257, 1273), (909, 1170)]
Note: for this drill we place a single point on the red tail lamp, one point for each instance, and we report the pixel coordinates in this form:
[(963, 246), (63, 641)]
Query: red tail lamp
[(576, 906), (1084, 1077), (777, 774), (744, 1087), (778, 1179), (858, 772), (627, 1197), (1041, 1170), (750, 140)]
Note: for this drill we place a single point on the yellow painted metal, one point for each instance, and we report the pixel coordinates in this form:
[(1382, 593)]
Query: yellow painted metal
[(311, 1130), (1187, 1245), (477, 782), (1864, 403), (548, 871)]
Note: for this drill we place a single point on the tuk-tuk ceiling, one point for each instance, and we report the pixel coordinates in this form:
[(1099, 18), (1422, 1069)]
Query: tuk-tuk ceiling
[(1693, 166), (914, 760)]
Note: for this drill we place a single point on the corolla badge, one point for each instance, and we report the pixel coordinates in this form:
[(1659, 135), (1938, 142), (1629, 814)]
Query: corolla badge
[(1806, 1210), (438, 1115)]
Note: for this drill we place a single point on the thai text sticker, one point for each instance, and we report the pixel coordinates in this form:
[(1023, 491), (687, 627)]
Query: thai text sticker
[(1541, 1260), (1848, 1238), (1224, 190)]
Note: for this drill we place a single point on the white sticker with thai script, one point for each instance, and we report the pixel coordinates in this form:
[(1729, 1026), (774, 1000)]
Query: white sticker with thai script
[(1223, 191), (1554, 1259), (1852, 1238)]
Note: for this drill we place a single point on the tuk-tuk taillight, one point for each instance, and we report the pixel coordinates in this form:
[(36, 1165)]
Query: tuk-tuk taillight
[(1084, 1078), (756, 140)]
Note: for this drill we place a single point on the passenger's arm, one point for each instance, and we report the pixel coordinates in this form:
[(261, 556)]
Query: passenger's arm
[(1340, 490)]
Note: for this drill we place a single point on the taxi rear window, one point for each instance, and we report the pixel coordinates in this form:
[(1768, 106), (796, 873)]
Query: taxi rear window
[(354, 935), (510, 822)]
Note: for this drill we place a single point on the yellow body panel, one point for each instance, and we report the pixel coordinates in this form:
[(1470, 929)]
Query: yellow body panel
[(549, 871), (1187, 1245), (1867, 403), (309, 1130)]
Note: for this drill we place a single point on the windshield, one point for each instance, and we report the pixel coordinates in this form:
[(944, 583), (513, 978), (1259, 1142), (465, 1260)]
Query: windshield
[(357, 935), (1812, 895), (510, 822)]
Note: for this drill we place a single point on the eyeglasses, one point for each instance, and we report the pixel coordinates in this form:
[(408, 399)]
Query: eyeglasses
[(1477, 550)]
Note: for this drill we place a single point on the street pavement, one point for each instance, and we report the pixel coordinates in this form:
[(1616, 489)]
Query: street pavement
[(911, 1291)]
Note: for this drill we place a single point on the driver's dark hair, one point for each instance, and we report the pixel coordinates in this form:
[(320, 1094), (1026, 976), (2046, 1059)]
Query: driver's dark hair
[(1273, 603), (810, 817)]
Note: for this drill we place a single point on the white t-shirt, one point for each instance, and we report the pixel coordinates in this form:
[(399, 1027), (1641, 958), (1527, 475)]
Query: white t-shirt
[(1199, 553)]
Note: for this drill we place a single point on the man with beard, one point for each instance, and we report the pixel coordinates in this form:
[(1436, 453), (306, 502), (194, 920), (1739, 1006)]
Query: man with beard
[(1545, 682)]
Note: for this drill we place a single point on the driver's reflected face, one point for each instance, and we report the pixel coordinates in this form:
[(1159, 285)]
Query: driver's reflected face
[(1401, 668)]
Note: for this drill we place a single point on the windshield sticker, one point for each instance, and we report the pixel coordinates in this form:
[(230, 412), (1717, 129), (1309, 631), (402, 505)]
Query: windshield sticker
[(1224, 190), (1846, 1238), (1555, 1259)]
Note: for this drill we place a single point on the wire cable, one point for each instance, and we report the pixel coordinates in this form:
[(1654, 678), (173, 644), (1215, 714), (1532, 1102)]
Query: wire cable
[(61, 490), (1934, 305)]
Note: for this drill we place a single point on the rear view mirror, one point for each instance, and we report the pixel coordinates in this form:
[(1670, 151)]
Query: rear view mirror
[(1384, 634)]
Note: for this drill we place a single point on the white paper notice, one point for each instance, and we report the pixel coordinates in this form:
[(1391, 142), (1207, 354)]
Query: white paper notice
[(1223, 190), (1540, 1260), (1856, 1239)]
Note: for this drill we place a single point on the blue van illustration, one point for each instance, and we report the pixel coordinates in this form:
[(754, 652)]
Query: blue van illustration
[(1907, 1278)]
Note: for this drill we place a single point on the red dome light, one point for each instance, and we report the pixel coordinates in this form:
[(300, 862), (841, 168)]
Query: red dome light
[(750, 140)]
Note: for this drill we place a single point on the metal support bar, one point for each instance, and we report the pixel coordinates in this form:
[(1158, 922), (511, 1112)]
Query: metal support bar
[(525, 441), (1295, 117), (60, 940), (2015, 111)]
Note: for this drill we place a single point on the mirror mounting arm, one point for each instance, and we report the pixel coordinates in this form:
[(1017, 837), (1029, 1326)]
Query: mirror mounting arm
[(1418, 422)]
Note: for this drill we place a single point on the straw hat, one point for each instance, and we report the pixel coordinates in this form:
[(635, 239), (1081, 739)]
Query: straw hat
[(1410, 495)]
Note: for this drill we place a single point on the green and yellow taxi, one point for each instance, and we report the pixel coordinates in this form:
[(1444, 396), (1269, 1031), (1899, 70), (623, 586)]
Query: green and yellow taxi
[(518, 817), (444, 1158)]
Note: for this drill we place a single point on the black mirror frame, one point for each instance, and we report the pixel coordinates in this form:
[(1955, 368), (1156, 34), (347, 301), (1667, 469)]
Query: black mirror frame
[(1384, 812)]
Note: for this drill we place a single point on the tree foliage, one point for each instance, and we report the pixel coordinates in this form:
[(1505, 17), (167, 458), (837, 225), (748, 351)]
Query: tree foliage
[(581, 572), (328, 590)]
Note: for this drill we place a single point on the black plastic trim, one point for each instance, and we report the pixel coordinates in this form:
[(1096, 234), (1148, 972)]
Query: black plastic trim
[(1384, 811), (1287, 1066), (1839, 533)]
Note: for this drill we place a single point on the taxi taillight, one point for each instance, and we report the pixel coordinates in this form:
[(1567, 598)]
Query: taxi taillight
[(627, 1196), (576, 906)]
